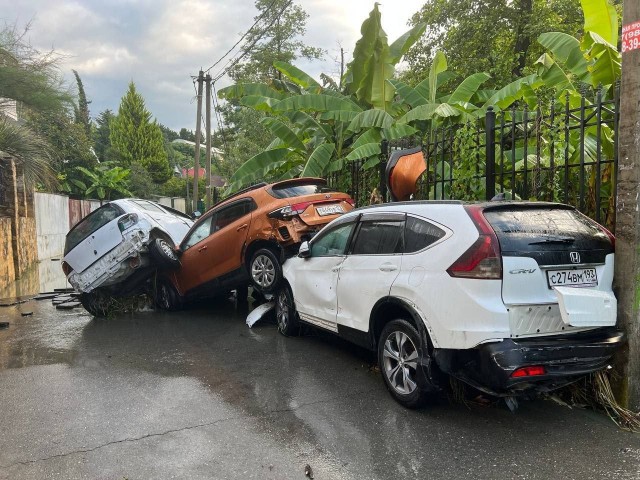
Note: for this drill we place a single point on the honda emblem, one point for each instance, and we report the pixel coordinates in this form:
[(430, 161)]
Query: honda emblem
[(574, 257)]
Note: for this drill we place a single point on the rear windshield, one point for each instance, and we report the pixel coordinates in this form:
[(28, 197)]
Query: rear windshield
[(520, 229), (90, 224), (288, 191)]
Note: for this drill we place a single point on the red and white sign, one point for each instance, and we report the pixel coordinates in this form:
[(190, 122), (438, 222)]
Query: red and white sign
[(631, 37)]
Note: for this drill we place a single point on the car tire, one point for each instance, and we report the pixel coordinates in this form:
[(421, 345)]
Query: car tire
[(164, 254), (265, 270), (400, 355), (286, 314), (166, 296), (96, 302)]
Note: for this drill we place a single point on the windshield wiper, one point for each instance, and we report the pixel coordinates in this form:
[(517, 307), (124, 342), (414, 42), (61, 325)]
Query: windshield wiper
[(563, 240)]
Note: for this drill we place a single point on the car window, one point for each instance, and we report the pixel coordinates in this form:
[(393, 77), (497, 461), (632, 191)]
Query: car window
[(230, 214), (89, 224), (288, 191), (419, 234), (333, 242), (201, 232), (379, 237)]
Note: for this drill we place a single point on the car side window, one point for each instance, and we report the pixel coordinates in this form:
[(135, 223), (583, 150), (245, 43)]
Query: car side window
[(419, 234), (230, 214), (332, 243), (201, 232), (379, 237)]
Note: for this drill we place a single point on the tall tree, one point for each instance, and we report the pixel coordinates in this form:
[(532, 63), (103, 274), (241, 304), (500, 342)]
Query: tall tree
[(137, 139), (101, 136), (281, 26), (82, 109), (493, 36)]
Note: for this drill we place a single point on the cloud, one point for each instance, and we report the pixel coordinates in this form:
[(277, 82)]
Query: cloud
[(159, 44)]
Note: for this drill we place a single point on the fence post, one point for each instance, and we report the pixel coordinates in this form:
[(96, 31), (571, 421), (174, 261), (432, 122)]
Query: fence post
[(384, 157), (490, 147)]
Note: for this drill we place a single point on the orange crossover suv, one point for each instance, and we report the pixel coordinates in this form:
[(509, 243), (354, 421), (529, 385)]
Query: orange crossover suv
[(246, 238)]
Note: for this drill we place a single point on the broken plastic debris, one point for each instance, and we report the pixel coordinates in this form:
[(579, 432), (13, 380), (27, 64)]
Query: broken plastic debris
[(259, 312), (308, 471)]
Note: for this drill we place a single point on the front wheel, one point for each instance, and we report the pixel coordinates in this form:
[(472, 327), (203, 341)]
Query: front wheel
[(166, 296), (400, 354), (265, 270), (286, 315)]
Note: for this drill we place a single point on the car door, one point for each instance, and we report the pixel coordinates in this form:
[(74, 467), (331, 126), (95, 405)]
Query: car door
[(228, 236), (314, 288), (370, 268), (196, 255)]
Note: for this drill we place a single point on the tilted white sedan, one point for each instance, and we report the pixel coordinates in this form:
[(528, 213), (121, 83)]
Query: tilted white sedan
[(113, 250)]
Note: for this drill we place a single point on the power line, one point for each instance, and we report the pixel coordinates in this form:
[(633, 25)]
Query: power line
[(243, 36), (219, 118), (231, 63)]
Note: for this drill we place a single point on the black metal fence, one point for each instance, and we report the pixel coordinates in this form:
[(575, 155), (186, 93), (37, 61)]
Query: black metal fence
[(553, 151)]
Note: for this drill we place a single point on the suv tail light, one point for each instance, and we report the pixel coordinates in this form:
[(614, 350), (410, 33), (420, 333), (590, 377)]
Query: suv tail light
[(350, 201), (66, 268), (127, 221), (482, 260)]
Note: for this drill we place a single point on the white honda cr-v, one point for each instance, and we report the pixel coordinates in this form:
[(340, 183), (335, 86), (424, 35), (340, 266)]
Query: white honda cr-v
[(506, 296)]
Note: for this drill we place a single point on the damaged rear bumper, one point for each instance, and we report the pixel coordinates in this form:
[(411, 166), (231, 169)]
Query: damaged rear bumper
[(565, 358)]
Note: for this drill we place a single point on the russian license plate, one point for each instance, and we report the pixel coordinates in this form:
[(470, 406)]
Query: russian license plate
[(329, 210), (581, 277)]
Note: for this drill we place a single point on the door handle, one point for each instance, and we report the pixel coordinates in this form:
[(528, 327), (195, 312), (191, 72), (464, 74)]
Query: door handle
[(387, 267), (202, 248), (242, 227)]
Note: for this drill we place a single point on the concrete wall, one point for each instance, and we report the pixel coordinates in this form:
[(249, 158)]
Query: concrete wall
[(7, 269), (180, 204), (27, 246), (52, 224)]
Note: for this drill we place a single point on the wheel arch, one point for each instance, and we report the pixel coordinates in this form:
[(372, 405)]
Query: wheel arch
[(390, 308), (254, 246), (156, 232)]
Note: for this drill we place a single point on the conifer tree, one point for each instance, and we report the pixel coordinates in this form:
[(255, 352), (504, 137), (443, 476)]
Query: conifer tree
[(82, 110), (137, 139)]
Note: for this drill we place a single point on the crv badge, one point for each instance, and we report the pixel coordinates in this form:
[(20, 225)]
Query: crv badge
[(522, 270), (574, 257)]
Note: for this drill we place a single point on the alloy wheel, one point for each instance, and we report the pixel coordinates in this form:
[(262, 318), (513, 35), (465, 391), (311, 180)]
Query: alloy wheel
[(166, 248), (400, 362), (263, 271), (283, 309)]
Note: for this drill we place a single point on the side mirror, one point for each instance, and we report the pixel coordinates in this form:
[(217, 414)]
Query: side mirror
[(196, 214), (305, 251)]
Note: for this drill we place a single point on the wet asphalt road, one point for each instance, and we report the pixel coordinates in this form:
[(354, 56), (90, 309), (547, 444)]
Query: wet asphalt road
[(197, 394)]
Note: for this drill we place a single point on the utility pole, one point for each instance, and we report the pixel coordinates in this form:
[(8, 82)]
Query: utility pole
[(627, 270), (207, 117), (196, 163)]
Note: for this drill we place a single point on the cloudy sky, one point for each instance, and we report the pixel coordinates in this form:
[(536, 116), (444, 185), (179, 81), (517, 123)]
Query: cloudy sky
[(159, 44)]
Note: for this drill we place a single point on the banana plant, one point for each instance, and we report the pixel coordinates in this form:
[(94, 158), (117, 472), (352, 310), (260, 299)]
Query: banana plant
[(316, 127)]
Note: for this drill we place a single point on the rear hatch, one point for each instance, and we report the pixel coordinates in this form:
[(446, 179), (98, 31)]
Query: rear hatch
[(546, 246), (312, 200)]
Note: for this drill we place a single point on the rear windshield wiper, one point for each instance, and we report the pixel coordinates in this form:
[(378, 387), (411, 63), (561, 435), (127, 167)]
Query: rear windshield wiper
[(553, 240)]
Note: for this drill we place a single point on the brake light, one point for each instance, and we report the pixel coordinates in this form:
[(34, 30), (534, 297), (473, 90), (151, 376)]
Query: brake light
[(482, 260), (66, 268), (531, 371), (127, 221), (298, 208), (350, 201)]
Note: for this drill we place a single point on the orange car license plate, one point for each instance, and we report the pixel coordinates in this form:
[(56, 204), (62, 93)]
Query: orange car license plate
[(329, 210)]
